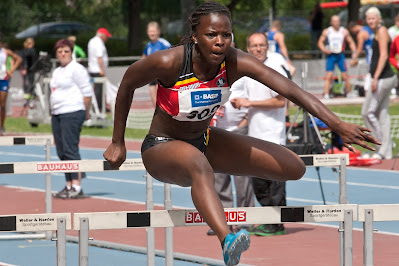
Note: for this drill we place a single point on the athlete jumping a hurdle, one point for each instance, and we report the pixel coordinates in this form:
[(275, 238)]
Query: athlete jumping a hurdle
[(193, 82)]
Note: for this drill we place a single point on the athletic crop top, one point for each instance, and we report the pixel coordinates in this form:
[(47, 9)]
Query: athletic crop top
[(191, 99)]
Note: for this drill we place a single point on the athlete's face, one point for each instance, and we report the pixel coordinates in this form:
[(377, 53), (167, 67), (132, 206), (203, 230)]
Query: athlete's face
[(153, 33), (373, 21), (257, 46), (335, 22), (213, 37)]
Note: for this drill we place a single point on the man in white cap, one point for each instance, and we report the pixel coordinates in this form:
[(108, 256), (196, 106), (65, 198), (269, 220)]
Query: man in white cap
[(98, 60)]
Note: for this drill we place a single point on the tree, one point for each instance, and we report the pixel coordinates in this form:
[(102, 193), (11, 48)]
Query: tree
[(134, 25), (353, 10)]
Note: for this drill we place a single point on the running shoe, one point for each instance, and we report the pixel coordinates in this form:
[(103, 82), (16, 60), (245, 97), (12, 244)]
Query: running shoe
[(74, 194), (234, 245), (268, 230), (63, 194)]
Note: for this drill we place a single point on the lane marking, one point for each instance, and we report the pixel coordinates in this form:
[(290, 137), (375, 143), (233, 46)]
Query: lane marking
[(307, 179)]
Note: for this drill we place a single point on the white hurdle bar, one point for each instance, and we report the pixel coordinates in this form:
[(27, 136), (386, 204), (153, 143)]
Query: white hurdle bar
[(250, 215), (59, 222), (374, 213), (40, 140), (68, 166)]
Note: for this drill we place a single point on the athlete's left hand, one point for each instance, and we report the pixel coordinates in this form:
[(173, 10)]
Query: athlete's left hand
[(355, 134)]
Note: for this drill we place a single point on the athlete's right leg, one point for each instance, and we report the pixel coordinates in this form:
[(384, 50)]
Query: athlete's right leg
[(327, 84), (330, 64), (3, 101), (180, 163)]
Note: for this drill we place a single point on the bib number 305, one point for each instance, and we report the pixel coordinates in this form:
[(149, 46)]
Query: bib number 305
[(205, 113)]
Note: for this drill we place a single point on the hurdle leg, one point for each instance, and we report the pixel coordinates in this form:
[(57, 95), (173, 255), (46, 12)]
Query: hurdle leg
[(368, 249), (84, 242), (343, 199), (150, 230), (168, 230), (61, 242), (48, 200), (348, 238)]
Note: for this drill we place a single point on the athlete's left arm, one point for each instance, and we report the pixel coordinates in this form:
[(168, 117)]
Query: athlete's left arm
[(351, 42), (248, 65), (281, 42), (17, 61)]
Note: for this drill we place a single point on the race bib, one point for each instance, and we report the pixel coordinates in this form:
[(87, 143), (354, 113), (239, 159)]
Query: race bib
[(200, 104), (336, 47)]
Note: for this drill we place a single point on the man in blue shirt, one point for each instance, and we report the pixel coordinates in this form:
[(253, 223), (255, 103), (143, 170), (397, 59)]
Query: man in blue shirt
[(155, 44)]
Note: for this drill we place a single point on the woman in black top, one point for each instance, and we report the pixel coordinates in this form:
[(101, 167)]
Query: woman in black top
[(375, 109)]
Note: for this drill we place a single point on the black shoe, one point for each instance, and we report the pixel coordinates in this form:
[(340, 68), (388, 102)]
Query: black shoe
[(249, 228), (63, 194), (268, 230), (73, 194)]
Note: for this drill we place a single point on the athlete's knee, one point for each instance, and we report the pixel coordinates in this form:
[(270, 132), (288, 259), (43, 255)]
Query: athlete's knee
[(296, 169)]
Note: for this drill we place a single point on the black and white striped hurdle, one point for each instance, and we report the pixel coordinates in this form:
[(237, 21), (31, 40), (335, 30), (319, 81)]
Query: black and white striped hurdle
[(239, 216), (49, 167), (60, 222), (39, 140)]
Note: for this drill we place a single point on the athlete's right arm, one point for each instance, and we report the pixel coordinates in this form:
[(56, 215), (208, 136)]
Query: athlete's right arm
[(322, 39), (160, 65), (361, 37)]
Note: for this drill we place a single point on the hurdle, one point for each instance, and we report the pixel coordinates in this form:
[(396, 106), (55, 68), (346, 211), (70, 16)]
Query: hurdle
[(82, 222), (374, 213), (60, 222), (43, 140)]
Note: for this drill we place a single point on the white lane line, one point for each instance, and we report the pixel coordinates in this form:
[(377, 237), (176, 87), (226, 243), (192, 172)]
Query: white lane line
[(349, 183), (311, 201)]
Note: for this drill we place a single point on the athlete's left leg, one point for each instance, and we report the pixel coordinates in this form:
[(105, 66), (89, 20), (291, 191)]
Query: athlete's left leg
[(236, 154)]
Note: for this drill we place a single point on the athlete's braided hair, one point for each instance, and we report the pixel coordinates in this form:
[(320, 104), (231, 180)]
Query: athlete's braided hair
[(203, 10)]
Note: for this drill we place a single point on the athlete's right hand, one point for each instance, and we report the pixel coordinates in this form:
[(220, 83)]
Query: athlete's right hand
[(115, 154)]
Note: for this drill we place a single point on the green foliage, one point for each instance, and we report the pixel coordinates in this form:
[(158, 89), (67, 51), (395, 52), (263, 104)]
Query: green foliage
[(298, 42)]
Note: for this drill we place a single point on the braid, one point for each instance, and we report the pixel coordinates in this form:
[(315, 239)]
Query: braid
[(203, 10)]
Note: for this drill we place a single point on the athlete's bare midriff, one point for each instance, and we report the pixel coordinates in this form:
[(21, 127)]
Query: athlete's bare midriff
[(163, 125)]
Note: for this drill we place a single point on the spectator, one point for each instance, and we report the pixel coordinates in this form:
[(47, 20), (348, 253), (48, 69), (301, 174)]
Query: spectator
[(98, 61), (393, 31), (336, 36), (266, 118), (77, 50), (316, 26), (234, 120), (364, 36), (29, 57), (375, 109), (5, 75), (155, 44), (277, 44), (70, 101)]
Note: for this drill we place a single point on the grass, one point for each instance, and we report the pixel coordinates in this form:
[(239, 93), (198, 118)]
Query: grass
[(21, 125)]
